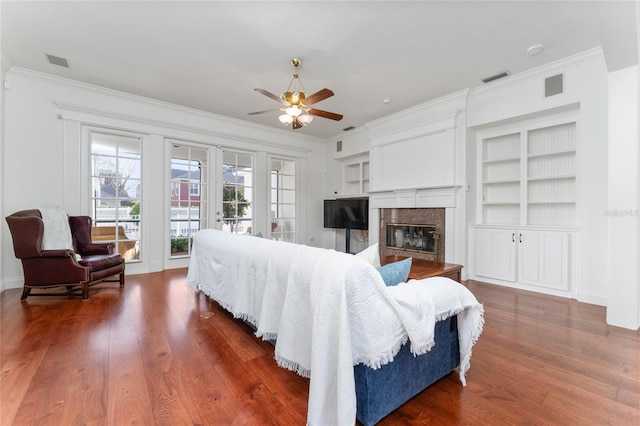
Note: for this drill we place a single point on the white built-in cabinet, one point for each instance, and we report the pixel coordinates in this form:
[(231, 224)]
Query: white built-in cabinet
[(524, 257), (356, 177), (526, 207)]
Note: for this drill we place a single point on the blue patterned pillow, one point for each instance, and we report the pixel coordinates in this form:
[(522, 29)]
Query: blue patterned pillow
[(396, 272)]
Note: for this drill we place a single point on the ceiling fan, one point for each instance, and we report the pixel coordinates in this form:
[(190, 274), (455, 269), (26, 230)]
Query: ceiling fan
[(296, 104)]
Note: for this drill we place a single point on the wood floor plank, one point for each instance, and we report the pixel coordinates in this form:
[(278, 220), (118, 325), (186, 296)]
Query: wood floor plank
[(164, 379), (44, 401), (128, 400), (17, 372)]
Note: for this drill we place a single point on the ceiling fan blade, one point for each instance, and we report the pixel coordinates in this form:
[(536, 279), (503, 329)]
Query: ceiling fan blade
[(318, 96), (325, 114), (270, 95), (262, 112), (296, 123)]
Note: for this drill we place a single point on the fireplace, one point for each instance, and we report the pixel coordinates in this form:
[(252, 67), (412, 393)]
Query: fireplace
[(413, 232), (418, 238)]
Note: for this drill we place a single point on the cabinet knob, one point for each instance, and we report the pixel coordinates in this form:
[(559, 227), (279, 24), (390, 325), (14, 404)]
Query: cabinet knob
[(520, 237), (513, 237)]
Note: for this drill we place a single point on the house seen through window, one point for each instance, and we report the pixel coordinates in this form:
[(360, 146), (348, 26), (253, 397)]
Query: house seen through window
[(116, 181), (189, 211), (237, 187)]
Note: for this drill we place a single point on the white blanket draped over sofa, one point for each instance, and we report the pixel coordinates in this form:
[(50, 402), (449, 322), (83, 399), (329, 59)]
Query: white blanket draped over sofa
[(328, 311)]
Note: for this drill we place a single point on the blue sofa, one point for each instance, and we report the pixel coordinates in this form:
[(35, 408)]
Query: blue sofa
[(379, 392)]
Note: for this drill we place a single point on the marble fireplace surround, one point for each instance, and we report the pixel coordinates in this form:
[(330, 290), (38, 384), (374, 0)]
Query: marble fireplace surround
[(419, 206)]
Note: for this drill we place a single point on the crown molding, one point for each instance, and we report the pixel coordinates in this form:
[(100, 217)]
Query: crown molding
[(96, 116), (541, 70), (221, 121)]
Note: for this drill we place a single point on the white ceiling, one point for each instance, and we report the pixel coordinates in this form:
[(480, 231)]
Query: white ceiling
[(210, 55)]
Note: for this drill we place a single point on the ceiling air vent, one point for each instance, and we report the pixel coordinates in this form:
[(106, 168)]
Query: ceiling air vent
[(56, 60), (495, 77), (553, 85), (346, 129)]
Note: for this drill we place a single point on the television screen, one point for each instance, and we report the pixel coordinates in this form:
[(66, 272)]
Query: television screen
[(345, 213)]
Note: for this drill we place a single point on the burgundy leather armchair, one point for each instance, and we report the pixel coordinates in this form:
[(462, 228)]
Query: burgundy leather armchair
[(61, 268)]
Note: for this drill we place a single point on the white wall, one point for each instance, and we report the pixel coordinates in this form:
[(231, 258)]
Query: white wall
[(2, 127), (42, 153), (522, 96), (624, 204)]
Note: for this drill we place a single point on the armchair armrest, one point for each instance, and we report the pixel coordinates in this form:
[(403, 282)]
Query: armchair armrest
[(57, 253), (96, 248)]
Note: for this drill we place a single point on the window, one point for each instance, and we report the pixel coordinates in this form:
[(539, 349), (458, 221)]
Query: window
[(189, 204), (283, 199), (237, 196), (116, 181)]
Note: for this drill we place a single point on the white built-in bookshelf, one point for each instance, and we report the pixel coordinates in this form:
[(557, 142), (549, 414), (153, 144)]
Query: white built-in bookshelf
[(356, 177), (528, 176)]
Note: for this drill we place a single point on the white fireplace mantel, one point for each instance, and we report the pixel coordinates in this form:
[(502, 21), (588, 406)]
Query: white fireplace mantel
[(432, 197)]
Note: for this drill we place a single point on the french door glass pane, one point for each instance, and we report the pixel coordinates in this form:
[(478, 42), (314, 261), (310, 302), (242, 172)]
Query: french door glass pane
[(283, 199), (237, 197), (116, 181), (189, 196)]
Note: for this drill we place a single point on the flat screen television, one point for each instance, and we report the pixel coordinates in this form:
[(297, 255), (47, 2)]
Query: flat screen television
[(343, 213)]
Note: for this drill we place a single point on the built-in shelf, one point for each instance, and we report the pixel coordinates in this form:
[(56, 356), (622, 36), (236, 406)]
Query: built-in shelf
[(356, 177), (528, 174)]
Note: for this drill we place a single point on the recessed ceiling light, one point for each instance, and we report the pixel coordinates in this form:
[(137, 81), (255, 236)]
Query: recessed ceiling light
[(386, 100), (534, 50)]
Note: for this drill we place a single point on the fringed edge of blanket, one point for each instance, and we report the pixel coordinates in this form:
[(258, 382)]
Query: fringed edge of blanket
[(379, 361), (421, 350), (465, 365), (292, 366), (269, 337)]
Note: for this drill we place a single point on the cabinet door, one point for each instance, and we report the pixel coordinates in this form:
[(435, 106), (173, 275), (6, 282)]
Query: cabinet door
[(495, 255), (543, 259)]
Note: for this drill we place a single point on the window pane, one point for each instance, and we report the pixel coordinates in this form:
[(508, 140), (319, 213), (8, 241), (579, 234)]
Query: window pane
[(237, 197), (283, 199), (116, 192), (189, 187)]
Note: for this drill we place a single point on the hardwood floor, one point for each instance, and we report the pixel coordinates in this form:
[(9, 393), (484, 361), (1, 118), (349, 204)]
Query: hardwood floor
[(144, 355)]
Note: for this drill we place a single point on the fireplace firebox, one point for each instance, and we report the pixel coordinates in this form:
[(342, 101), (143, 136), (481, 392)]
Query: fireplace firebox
[(420, 233), (416, 238)]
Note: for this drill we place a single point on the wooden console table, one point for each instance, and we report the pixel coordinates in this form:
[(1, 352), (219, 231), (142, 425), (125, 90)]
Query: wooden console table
[(421, 268)]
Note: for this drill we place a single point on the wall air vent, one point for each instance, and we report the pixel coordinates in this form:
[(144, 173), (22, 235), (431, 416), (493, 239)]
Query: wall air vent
[(339, 146), (495, 77), (554, 85), (56, 60)]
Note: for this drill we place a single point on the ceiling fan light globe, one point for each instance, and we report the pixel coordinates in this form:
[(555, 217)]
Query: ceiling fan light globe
[(305, 119), (293, 111), (285, 119)]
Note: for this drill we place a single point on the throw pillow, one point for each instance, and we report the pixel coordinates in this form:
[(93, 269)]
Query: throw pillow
[(396, 272), (371, 254)]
